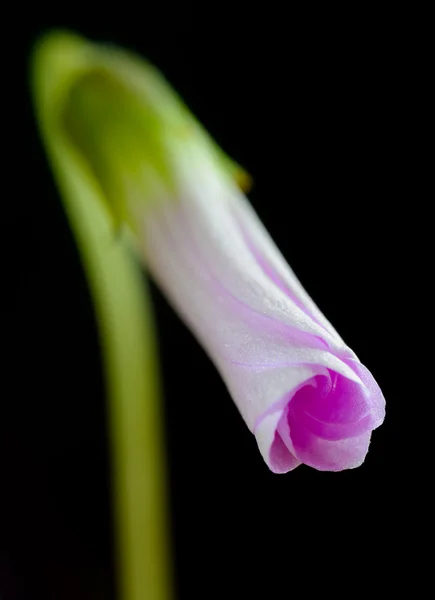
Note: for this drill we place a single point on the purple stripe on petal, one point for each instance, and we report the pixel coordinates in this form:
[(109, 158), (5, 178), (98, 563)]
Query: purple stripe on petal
[(295, 334), (274, 276)]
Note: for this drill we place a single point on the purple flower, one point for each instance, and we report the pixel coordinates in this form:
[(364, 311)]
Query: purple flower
[(300, 389)]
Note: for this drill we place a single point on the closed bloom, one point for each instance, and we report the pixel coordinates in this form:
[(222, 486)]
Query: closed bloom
[(301, 391)]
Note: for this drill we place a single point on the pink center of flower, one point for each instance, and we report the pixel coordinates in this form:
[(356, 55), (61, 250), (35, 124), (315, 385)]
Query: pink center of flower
[(332, 408), (328, 422)]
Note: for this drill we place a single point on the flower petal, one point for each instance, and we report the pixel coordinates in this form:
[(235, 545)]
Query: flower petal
[(266, 337)]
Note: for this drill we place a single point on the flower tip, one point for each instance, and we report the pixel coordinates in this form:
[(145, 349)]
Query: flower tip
[(326, 427)]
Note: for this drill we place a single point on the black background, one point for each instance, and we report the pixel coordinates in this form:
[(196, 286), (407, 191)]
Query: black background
[(315, 107)]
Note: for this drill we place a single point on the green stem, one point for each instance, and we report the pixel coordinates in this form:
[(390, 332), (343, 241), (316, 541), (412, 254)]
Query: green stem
[(125, 324)]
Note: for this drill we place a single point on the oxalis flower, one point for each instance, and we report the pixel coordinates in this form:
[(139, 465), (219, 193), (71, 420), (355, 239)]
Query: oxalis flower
[(301, 391)]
